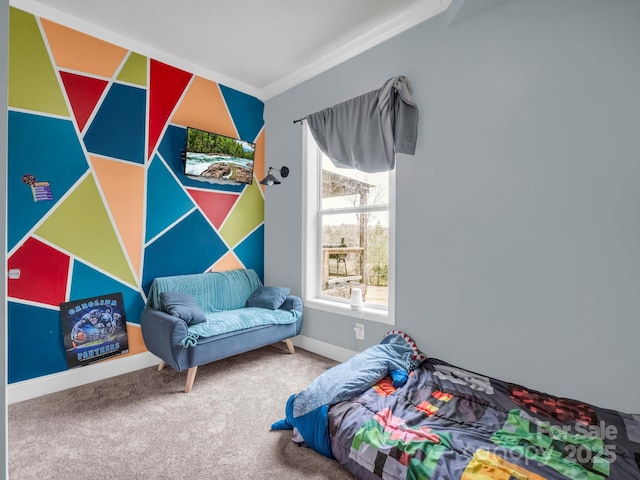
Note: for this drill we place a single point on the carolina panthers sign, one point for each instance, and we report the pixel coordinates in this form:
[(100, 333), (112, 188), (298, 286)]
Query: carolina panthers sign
[(94, 329)]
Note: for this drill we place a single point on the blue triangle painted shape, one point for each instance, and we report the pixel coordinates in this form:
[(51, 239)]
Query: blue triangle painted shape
[(191, 246), (57, 157), (88, 282), (36, 348), (251, 251), (246, 112), (166, 201), (118, 129)]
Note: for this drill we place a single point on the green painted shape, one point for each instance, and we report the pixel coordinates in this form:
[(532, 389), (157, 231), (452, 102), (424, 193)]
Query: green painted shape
[(33, 84), (81, 226), (246, 215), (134, 70)]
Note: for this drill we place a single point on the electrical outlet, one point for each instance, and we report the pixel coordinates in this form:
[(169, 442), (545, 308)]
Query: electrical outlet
[(359, 329)]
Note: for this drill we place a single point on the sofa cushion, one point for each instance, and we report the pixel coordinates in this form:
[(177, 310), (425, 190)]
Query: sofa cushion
[(182, 305), (236, 320), (268, 297), (214, 291)]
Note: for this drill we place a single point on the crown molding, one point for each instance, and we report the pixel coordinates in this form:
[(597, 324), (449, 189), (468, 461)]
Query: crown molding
[(128, 43), (404, 20)]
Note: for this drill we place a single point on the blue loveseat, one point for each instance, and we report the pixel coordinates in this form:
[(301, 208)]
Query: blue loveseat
[(234, 314)]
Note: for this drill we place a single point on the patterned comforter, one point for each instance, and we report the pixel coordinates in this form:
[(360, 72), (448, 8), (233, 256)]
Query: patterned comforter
[(446, 423)]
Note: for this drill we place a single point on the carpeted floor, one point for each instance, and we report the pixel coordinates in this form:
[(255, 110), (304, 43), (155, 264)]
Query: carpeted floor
[(142, 425)]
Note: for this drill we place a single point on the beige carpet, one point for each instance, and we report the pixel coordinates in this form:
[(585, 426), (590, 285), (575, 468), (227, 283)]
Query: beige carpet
[(142, 425)]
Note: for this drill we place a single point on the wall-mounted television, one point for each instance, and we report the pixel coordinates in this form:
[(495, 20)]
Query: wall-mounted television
[(216, 158)]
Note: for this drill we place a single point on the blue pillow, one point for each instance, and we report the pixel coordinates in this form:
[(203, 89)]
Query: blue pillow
[(182, 305), (268, 297), (313, 427), (351, 378)]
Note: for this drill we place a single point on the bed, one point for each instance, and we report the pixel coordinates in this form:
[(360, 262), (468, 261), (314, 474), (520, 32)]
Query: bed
[(448, 423)]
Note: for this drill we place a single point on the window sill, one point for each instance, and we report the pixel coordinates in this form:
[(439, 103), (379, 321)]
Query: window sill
[(340, 308)]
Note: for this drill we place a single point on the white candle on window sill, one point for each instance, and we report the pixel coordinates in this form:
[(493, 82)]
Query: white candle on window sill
[(356, 299)]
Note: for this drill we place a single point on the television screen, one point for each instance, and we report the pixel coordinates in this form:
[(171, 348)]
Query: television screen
[(217, 158)]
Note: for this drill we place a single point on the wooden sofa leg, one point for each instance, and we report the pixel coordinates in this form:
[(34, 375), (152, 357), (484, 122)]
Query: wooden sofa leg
[(289, 343), (161, 365), (191, 376)]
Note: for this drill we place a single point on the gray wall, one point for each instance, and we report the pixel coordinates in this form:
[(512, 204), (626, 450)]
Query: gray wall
[(4, 54), (518, 219)]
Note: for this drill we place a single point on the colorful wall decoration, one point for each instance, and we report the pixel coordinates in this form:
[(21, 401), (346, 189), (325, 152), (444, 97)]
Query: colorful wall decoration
[(97, 201)]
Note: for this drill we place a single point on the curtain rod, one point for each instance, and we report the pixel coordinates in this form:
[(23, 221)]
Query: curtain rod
[(299, 120)]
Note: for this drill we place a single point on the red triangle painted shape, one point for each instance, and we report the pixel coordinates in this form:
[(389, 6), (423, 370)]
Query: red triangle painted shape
[(43, 273), (166, 84), (216, 206), (83, 93)]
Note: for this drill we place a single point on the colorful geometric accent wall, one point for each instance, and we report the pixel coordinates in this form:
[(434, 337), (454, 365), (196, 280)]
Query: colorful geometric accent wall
[(97, 199)]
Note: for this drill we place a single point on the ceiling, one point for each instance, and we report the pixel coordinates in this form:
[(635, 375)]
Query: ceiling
[(261, 47)]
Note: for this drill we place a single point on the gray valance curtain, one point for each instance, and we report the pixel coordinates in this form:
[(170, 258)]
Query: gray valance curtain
[(366, 132)]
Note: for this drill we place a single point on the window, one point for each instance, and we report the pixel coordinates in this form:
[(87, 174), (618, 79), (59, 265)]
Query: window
[(349, 236)]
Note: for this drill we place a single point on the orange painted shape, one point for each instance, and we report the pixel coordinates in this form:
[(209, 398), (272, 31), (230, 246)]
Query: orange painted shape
[(78, 51), (123, 187), (204, 107), (84, 93), (227, 262), (259, 168), (135, 341), (216, 206)]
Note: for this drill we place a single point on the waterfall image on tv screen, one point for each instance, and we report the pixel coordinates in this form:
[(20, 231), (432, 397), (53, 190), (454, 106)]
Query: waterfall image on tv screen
[(217, 158)]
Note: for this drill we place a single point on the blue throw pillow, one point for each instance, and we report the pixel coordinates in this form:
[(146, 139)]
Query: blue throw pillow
[(182, 305), (268, 297)]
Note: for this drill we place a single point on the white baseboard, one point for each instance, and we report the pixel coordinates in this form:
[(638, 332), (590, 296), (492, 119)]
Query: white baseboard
[(339, 354), (19, 391)]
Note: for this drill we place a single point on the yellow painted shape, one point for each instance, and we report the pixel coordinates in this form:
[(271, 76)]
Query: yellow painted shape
[(33, 84), (258, 160), (227, 262), (487, 466), (246, 215), (134, 70), (204, 107), (123, 186), (81, 226), (79, 51)]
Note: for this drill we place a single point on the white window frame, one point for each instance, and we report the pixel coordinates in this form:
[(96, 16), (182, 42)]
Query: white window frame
[(312, 241)]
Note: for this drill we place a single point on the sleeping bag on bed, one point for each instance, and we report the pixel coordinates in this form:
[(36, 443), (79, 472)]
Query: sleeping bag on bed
[(396, 355)]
